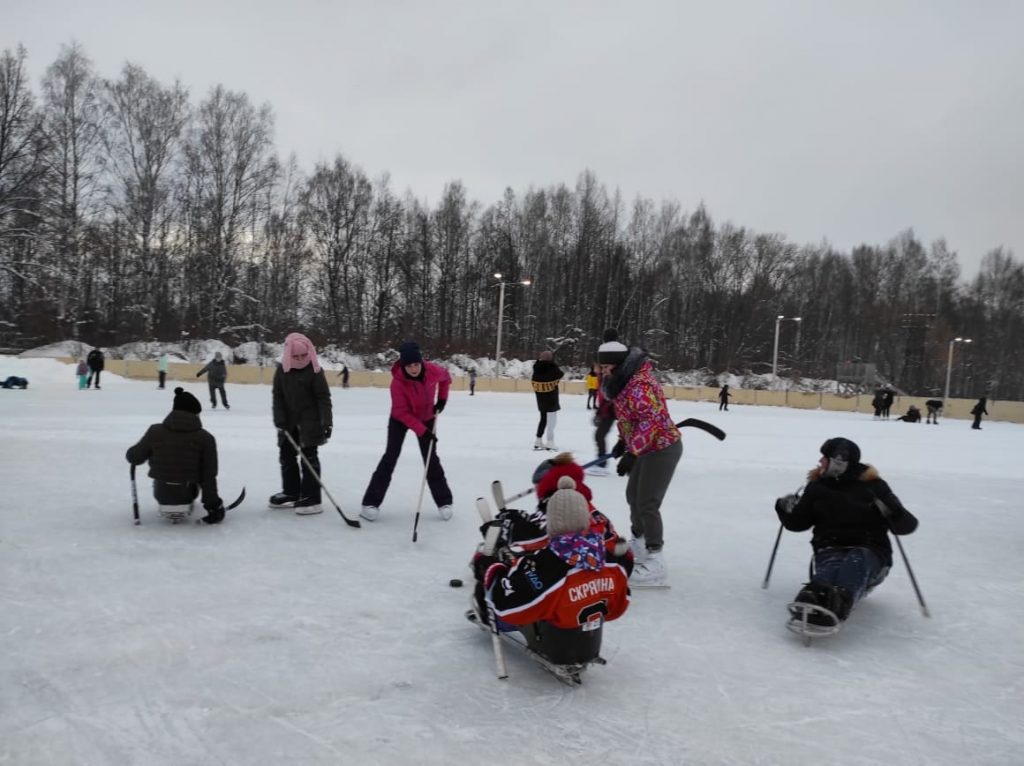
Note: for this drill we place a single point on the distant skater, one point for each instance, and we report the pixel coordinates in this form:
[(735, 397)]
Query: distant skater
[(723, 398), (978, 411)]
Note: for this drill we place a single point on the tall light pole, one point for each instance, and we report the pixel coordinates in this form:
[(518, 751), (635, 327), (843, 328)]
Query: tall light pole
[(949, 364), (775, 354), (501, 316)]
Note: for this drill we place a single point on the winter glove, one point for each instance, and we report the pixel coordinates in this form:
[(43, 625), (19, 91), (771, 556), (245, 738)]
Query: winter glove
[(626, 464), (785, 504), (428, 437), (326, 435), (214, 512), (494, 571), (619, 449), (439, 407)]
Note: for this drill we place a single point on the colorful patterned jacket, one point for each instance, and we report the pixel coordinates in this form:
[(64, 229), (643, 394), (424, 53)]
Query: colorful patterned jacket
[(643, 417)]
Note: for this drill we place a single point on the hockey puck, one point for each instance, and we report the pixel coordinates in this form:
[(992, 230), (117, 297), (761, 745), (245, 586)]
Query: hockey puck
[(455, 583)]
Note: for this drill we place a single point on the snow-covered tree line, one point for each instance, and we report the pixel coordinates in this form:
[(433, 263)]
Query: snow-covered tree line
[(133, 209)]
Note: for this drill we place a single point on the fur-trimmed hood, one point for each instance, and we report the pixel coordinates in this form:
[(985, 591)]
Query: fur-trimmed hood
[(860, 472)]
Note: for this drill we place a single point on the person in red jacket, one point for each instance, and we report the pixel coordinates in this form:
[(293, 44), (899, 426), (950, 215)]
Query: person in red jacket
[(419, 392), (573, 583)]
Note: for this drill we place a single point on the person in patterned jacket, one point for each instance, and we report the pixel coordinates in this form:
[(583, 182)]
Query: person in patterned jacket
[(648, 450), (572, 583)]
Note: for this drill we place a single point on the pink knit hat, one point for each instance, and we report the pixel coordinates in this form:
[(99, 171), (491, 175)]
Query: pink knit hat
[(298, 352)]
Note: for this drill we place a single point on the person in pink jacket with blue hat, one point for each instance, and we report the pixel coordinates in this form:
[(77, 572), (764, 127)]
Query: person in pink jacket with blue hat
[(419, 393)]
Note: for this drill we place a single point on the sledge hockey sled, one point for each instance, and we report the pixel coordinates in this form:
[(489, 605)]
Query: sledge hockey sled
[(565, 654), (825, 621), (176, 513)]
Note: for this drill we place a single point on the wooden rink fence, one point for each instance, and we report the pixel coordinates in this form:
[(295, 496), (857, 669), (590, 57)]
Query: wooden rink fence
[(1011, 412)]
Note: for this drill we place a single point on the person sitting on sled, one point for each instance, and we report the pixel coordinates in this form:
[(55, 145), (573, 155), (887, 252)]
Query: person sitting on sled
[(572, 583), (182, 458), (851, 511)]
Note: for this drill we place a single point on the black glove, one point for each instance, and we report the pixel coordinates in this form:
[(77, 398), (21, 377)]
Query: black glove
[(198, 374), (428, 437), (619, 449), (439, 406), (626, 464), (785, 504), (214, 512), (326, 435)]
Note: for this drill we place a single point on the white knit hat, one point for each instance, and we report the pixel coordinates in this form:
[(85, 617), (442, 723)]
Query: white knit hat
[(567, 510), (612, 352)]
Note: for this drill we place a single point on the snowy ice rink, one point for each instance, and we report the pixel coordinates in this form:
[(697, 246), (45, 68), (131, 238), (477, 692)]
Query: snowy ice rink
[(276, 639)]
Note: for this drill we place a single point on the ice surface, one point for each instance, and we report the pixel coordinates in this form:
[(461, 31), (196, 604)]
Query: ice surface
[(282, 639)]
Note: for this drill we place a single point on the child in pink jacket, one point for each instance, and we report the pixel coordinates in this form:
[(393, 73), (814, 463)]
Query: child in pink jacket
[(419, 392)]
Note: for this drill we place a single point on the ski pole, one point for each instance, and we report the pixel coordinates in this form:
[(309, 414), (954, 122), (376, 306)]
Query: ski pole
[(316, 475), (135, 496), (423, 484)]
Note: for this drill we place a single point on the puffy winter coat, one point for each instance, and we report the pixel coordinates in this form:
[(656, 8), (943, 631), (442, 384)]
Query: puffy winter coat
[(644, 421), (569, 588), (412, 399), (302, 399), (179, 451), (217, 370), (95, 359), (546, 375), (843, 512)]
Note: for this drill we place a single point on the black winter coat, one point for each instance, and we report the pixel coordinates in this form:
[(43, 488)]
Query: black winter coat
[(181, 452), (545, 385), (302, 399), (95, 360), (843, 512)]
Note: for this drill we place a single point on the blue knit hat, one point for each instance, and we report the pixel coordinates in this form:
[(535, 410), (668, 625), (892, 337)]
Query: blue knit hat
[(409, 352)]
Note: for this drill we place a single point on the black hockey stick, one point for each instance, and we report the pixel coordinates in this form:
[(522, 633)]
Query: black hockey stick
[(135, 496), (887, 514), (775, 549), (238, 501), (703, 425), (351, 522)]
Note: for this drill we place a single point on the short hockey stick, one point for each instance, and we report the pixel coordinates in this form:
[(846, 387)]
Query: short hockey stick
[(135, 497)]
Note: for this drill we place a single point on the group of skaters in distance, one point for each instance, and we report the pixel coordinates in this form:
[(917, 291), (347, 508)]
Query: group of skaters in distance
[(934, 407), (563, 552)]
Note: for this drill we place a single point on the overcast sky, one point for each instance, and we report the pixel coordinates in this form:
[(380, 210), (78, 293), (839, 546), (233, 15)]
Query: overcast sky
[(823, 120)]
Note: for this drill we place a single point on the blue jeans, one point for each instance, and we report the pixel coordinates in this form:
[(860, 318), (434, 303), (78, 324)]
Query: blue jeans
[(856, 569)]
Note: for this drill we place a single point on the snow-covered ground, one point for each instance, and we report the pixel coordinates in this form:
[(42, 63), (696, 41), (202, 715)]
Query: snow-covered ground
[(274, 638)]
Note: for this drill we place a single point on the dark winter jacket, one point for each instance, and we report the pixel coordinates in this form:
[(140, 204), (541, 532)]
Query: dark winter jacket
[(217, 369), (843, 512), (179, 451), (979, 408), (546, 375), (413, 399), (95, 360), (302, 399)]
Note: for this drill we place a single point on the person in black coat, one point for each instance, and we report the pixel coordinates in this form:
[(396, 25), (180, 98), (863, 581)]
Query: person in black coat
[(934, 407), (95, 361), (851, 511), (978, 411), (913, 415), (546, 375), (723, 398), (216, 371), (888, 395), (302, 409), (182, 458)]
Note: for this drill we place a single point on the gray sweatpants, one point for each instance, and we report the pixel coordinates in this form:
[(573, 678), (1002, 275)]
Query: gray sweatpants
[(645, 491)]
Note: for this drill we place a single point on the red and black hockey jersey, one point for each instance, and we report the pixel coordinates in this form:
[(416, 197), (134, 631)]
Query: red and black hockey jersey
[(571, 583)]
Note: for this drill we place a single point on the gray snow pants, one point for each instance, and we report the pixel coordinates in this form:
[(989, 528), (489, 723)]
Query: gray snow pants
[(645, 491)]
